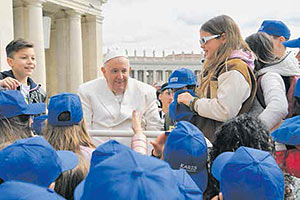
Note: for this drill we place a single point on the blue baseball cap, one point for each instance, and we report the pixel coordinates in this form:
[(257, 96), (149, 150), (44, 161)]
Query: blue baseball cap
[(187, 186), (12, 103), (129, 174), (288, 132), (248, 173), (186, 148), (292, 43), (65, 102), (26, 191), (38, 124), (34, 160), (276, 28), (180, 112), (180, 78), (106, 150), (297, 89)]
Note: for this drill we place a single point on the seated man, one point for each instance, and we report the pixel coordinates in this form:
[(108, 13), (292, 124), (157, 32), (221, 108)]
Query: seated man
[(108, 101)]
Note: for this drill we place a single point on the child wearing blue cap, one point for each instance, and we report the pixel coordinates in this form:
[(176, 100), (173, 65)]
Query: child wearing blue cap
[(271, 89), (33, 160), (180, 81), (140, 177), (65, 128), (186, 148), (243, 130), (25, 191), (15, 116), (248, 174), (279, 33)]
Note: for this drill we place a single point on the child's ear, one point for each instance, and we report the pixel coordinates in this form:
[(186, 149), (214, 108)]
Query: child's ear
[(9, 61)]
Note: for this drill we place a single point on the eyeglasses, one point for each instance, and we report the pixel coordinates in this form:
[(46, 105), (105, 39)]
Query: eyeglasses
[(206, 39)]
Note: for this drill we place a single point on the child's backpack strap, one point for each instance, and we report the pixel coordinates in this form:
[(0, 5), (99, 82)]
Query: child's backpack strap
[(290, 95), (259, 92)]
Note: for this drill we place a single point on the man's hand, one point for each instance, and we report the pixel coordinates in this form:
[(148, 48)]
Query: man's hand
[(10, 83), (185, 98), (158, 144)]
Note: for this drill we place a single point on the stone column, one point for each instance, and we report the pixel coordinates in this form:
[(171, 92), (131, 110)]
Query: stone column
[(145, 76), (75, 39), (7, 30), (136, 74), (19, 20), (52, 70), (92, 46), (164, 76), (154, 76), (36, 35), (61, 51)]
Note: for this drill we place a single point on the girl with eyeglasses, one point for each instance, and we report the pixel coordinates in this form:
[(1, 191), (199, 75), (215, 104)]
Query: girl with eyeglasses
[(227, 84)]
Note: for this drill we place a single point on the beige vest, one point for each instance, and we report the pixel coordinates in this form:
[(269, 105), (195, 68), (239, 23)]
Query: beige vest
[(208, 126)]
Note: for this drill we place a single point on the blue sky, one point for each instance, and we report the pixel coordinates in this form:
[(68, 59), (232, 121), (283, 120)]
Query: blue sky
[(173, 25)]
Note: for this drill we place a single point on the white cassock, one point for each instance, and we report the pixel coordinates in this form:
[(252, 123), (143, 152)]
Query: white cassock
[(102, 110)]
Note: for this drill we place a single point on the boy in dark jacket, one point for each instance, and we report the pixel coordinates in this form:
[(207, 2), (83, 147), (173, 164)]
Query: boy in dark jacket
[(21, 59)]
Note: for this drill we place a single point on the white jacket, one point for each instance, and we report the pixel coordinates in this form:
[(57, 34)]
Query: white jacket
[(102, 110), (274, 91)]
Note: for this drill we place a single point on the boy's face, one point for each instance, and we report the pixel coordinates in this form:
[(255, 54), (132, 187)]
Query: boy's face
[(23, 62), (166, 97)]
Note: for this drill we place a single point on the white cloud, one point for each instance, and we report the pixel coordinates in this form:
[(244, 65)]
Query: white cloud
[(173, 25)]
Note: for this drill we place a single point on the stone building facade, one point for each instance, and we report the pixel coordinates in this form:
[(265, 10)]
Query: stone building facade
[(153, 69), (67, 35)]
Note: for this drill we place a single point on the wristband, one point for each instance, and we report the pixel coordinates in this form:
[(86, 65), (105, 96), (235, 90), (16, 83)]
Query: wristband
[(191, 103)]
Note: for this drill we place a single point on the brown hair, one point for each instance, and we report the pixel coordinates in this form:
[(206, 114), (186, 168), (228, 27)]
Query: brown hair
[(66, 183), (16, 45), (68, 137), (220, 25), (13, 129), (261, 44)]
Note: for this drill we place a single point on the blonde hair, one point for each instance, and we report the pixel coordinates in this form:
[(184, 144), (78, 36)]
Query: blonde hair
[(68, 137), (220, 25)]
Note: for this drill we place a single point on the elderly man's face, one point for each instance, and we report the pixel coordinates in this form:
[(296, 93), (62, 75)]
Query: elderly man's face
[(116, 73)]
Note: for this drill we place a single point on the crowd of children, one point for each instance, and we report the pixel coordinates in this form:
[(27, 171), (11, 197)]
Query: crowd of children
[(222, 140)]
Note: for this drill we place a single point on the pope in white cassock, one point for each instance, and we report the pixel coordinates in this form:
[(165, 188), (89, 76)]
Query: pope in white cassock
[(108, 101)]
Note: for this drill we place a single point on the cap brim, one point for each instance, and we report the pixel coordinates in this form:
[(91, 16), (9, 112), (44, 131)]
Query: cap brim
[(35, 108), (68, 159), (200, 179), (292, 43), (79, 190), (219, 164), (175, 85), (286, 136)]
